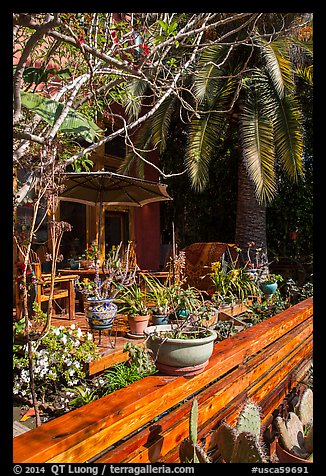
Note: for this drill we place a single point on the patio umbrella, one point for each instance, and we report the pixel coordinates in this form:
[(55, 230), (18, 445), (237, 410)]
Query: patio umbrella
[(109, 188)]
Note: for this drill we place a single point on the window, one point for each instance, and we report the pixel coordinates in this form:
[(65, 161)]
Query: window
[(116, 229), (73, 242), (116, 147)]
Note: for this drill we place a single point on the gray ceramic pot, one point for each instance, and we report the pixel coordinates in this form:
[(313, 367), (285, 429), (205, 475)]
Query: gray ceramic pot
[(179, 353)]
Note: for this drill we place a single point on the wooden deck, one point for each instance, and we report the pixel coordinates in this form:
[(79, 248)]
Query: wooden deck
[(146, 422), (111, 344)]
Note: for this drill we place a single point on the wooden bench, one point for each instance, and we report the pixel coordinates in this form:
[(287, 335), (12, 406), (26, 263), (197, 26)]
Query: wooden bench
[(147, 421)]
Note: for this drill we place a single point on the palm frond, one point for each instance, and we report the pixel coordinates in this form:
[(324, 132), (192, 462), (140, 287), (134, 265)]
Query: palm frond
[(306, 73), (161, 121), (207, 79), (258, 151), (204, 133), (135, 91), (305, 46), (278, 65), (141, 142), (286, 119), (288, 135)]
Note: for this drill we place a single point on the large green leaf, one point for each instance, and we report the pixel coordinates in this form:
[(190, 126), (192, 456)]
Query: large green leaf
[(34, 75), (49, 110)]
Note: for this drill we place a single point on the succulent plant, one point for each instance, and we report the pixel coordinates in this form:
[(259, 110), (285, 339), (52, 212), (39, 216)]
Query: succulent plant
[(242, 444), (295, 432), (189, 449), (304, 409)]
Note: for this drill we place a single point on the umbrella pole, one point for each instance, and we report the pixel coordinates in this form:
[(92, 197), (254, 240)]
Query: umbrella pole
[(173, 252), (97, 266), (99, 227)]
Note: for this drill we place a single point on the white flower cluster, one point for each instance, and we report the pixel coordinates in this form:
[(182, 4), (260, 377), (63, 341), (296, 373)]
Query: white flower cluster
[(58, 361)]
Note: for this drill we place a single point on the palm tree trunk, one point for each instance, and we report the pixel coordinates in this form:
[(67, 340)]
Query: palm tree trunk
[(251, 216)]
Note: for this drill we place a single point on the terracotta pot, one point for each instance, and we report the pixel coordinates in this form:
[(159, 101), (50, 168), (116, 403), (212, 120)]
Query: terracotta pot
[(286, 457), (87, 263), (137, 324)]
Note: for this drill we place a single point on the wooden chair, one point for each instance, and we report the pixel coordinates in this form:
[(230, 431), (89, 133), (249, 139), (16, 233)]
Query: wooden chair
[(63, 287)]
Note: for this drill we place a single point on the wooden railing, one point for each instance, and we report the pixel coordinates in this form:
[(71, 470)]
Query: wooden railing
[(146, 421)]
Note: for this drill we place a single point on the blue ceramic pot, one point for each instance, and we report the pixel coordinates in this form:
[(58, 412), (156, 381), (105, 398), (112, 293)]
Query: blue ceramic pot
[(182, 313), (268, 288), (73, 264), (101, 313), (159, 320)]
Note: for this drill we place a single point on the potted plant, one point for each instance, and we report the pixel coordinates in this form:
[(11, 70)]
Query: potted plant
[(133, 301), (159, 297), (182, 347), (294, 442), (232, 284), (184, 300), (89, 257), (269, 283), (100, 295)]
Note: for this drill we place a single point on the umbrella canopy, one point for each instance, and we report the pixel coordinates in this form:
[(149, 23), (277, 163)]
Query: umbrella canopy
[(109, 188)]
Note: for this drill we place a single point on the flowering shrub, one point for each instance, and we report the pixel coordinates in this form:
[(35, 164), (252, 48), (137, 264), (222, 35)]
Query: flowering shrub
[(59, 360), (271, 278), (230, 282), (91, 251)]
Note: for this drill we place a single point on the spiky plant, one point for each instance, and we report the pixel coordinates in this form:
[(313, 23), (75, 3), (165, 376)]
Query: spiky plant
[(189, 450), (243, 443)]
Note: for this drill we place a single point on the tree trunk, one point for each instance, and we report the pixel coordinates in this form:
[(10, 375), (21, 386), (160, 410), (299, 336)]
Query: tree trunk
[(251, 216)]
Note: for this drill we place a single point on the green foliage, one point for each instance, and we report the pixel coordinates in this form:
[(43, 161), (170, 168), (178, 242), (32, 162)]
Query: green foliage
[(230, 281), (83, 395), (271, 278), (82, 164), (120, 376), (169, 30), (159, 295), (139, 365), (132, 300), (141, 358), (225, 329), (36, 76), (74, 123)]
